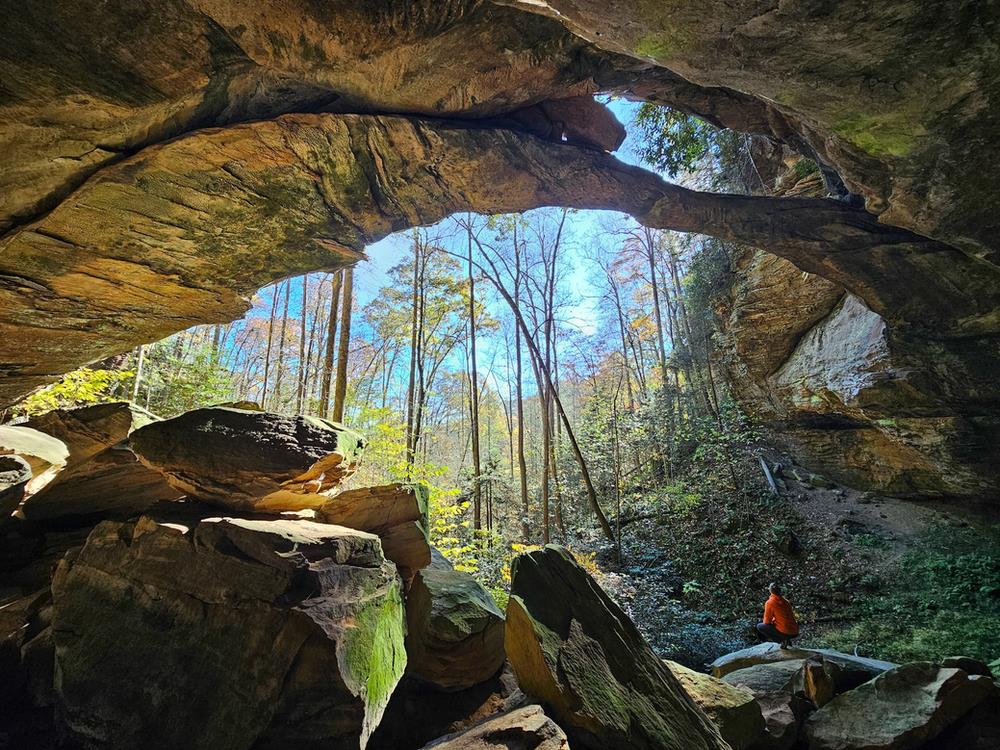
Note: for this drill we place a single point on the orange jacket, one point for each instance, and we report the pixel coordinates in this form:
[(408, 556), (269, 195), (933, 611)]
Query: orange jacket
[(778, 612)]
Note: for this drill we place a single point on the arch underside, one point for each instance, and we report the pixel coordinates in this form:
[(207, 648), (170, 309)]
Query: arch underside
[(164, 159)]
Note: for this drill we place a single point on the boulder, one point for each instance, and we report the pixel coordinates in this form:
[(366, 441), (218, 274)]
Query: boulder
[(206, 632), (89, 430), (853, 670), (777, 689), (15, 473), (101, 477), (454, 631), (397, 513), (977, 730), (112, 485), (968, 665), (731, 708), (526, 728), (250, 460), (904, 708), (575, 651)]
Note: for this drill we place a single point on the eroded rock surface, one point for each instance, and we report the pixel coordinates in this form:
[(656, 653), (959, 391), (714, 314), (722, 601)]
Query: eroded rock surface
[(576, 652), (250, 460), (15, 473), (397, 513), (455, 633), (733, 709), (226, 633), (902, 709)]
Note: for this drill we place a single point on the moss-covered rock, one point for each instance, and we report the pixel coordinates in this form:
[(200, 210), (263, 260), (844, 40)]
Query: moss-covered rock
[(731, 708), (577, 653), (455, 632), (193, 631)]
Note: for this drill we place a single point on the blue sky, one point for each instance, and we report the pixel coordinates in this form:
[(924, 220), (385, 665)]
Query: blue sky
[(371, 275)]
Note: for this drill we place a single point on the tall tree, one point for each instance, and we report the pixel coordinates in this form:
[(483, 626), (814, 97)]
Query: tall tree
[(340, 393), (331, 343), (280, 366), (300, 391), (474, 390)]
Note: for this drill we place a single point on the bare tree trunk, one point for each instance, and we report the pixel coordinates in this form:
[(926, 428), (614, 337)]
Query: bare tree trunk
[(301, 390), (140, 359), (411, 390), (281, 345), (477, 510), (331, 344), (340, 392), (267, 355), (521, 463)]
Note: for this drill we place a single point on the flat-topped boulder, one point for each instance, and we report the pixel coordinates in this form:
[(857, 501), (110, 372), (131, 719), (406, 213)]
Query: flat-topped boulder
[(733, 709), (454, 636), (209, 632), (525, 728), (45, 454), (854, 669), (575, 651), (902, 709), (777, 687), (250, 460)]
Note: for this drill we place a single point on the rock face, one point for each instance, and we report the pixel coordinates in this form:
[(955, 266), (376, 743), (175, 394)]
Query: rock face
[(734, 710), (902, 709), (45, 454), (832, 385), (397, 513), (577, 653), (250, 460), (526, 728), (226, 633), (454, 631), (102, 478)]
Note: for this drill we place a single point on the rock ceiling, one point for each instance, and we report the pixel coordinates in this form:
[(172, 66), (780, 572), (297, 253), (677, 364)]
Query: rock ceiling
[(163, 159)]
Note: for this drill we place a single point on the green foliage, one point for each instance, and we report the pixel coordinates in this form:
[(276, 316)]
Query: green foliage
[(674, 141), (804, 167), (944, 600), (180, 374), (78, 388)]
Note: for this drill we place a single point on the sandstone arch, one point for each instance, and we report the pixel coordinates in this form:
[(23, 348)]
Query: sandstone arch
[(179, 234)]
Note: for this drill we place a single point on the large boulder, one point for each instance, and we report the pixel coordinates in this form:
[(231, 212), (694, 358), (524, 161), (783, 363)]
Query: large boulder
[(902, 709), (205, 632), (397, 513), (853, 670), (454, 635), (777, 689), (102, 478), (733, 709), (575, 651), (250, 460), (526, 728)]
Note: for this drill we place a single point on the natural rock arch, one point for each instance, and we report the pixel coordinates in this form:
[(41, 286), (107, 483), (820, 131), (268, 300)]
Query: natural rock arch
[(179, 234)]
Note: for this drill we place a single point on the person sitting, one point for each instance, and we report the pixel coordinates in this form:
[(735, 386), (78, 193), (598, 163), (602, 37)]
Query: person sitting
[(779, 624)]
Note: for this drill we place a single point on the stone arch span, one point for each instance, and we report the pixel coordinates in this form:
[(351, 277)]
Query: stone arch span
[(182, 232)]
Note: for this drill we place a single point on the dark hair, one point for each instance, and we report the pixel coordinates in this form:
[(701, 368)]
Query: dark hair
[(774, 588)]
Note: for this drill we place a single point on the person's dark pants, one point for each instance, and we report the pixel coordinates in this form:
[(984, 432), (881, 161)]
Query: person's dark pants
[(767, 632)]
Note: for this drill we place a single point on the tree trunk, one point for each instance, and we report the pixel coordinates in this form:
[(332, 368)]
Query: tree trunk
[(267, 354), (331, 343), (477, 507), (340, 392), (301, 390), (281, 346)]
